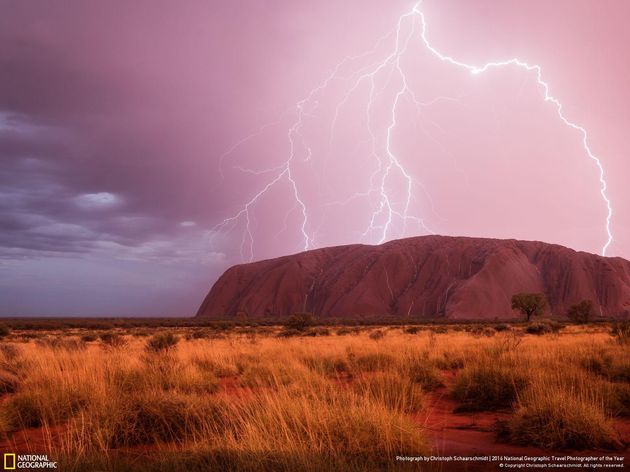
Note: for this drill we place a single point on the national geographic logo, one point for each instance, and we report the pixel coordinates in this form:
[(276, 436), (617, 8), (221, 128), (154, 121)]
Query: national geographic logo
[(9, 461), (27, 462)]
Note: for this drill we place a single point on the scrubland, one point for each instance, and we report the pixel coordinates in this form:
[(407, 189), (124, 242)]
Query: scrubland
[(318, 399)]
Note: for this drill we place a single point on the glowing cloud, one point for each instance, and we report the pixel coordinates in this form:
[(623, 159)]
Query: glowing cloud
[(98, 200)]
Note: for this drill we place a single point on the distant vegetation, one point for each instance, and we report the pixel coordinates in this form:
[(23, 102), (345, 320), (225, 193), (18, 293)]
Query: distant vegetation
[(582, 312), (530, 304), (299, 321), (4, 331)]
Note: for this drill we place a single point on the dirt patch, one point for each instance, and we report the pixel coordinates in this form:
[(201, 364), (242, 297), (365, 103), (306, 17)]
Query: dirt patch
[(33, 440)]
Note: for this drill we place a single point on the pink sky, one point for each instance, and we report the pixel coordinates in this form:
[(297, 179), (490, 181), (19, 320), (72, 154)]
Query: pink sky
[(118, 126)]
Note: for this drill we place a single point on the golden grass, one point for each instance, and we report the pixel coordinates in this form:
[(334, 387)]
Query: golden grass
[(258, 402), (557, 418)]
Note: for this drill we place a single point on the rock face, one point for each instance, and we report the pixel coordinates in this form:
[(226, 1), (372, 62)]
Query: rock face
[(424, 277)]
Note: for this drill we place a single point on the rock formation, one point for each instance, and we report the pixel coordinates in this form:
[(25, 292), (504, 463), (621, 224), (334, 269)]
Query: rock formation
[(424, 277)]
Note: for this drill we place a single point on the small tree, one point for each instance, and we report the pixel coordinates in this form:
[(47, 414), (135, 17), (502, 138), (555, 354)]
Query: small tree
[(530, 304), (581, 312)]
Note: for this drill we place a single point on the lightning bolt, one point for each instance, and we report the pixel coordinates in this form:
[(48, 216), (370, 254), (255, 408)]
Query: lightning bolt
[(387, 162), (548, 98)]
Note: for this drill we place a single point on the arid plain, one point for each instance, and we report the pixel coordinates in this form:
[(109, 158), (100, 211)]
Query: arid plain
[(230, 397)]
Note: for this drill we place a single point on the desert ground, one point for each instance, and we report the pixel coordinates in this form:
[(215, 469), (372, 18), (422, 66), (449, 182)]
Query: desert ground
[(229, 397)]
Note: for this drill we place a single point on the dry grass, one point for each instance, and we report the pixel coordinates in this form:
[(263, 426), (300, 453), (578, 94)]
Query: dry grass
[(557, 418), (254, 401)]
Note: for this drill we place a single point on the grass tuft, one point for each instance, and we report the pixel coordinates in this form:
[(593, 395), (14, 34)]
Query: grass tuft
[(555, 419)]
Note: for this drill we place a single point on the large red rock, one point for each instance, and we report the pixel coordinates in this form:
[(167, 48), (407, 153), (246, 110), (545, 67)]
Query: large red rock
[(422, 277)]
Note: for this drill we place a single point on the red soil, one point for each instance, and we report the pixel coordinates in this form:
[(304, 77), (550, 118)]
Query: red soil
[(475, 434)]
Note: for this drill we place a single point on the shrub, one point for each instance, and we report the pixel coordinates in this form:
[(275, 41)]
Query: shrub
[(483, 331), (501, 327), (450, 360), (140, 333), (605, 364), (316, 332), (538, 328), (621, 331), (560, 420), (322, 332), (422, 372), (155, 417), (345, 331), (8, 382), (112, 339), (88, 338), (162, 342), (581, 312), (223, 325), (197, 334), (412, 330), (344, 431), (488, 386), (34, 407), (618, 402), (377, 334), (4, 331), (9, 351), (288, 333), (299, 321), (22, 410)]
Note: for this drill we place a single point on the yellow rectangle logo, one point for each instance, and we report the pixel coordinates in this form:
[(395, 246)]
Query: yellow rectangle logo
[(9, 461)]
